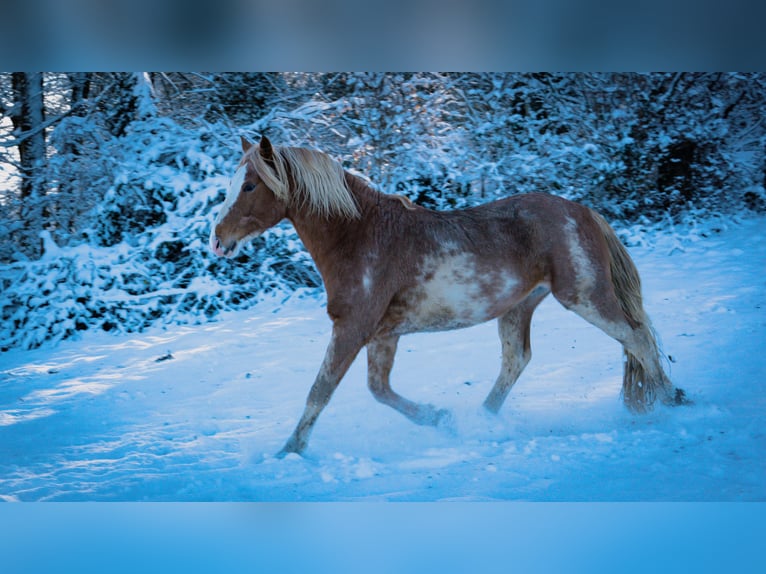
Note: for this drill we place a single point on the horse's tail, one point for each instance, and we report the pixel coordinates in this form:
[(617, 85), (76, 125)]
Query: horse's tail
[(625, 278), (642, 383)]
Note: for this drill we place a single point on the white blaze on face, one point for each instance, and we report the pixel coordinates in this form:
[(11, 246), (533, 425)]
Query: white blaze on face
[(231, 196)]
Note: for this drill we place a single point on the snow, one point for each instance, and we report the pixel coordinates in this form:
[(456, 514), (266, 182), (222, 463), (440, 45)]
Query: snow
[(197, 412)]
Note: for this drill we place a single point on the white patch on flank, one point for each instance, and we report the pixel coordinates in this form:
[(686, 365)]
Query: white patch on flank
[(457, 295), (454, 284)]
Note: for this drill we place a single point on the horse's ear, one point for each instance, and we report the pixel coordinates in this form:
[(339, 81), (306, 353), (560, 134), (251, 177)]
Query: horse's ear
[(246, 144), (267, 152)]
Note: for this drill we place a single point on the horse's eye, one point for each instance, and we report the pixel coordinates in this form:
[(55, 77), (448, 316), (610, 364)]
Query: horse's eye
[(248, 187)]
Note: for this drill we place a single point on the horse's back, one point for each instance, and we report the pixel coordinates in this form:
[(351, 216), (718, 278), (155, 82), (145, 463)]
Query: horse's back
[(525, 229), (538, 209)]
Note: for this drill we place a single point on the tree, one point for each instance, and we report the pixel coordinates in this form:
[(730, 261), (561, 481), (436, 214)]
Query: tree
[(28, 116), (27, 211), (59, 153)]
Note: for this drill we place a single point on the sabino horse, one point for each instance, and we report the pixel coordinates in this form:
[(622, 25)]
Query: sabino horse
[(391, 267)]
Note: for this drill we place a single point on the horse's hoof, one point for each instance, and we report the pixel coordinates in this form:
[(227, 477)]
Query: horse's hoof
[(491, 408), (291, 447), (289, 454)]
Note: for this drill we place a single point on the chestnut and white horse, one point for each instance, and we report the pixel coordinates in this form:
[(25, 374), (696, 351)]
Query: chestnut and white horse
[(391, 268)]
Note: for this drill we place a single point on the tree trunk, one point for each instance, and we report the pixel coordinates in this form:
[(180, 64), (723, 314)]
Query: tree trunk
[(80, 91), (28, 117)]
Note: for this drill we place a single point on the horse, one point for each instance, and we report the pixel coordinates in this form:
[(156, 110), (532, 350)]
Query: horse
[(391, 267)]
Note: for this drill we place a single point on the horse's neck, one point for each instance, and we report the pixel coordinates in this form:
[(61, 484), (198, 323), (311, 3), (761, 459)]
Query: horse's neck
[(367, 199), (323, 236)]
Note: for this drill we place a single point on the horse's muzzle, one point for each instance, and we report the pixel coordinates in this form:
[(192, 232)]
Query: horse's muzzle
[(218, 248)]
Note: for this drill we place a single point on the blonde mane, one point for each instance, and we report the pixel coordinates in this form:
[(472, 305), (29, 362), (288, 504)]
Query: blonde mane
[(320, 182)]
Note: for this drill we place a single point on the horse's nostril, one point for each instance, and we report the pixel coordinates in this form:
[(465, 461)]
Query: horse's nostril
[(217, 246)]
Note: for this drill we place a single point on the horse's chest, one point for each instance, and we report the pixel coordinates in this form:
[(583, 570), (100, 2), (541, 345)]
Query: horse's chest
[(452, 292)]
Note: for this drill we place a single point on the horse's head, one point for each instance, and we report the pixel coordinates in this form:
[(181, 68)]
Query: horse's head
[(251, 207)]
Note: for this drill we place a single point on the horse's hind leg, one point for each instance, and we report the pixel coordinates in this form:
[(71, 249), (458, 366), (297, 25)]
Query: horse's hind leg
[(380, 361), (595, 277), (644, 379), (514, 328)]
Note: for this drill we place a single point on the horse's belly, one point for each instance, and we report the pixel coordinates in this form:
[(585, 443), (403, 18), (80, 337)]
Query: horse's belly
[(453, 294)]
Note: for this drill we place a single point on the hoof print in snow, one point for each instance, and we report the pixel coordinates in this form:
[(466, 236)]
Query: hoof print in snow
[(166, 357)]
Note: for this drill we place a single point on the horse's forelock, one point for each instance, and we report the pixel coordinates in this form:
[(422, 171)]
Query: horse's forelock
[(272, 173)]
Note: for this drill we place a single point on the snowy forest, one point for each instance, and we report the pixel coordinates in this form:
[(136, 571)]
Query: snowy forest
[(109, 181)]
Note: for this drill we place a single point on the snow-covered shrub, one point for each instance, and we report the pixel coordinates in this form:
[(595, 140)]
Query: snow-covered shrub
[(631, 145), (144, 259)]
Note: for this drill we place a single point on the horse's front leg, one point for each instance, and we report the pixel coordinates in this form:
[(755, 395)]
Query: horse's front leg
[(343, 348)]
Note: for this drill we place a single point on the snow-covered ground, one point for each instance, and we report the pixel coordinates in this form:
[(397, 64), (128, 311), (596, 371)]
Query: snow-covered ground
[(197, 413)]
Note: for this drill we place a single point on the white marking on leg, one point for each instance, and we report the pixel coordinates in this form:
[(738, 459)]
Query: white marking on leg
[(620, 331)]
